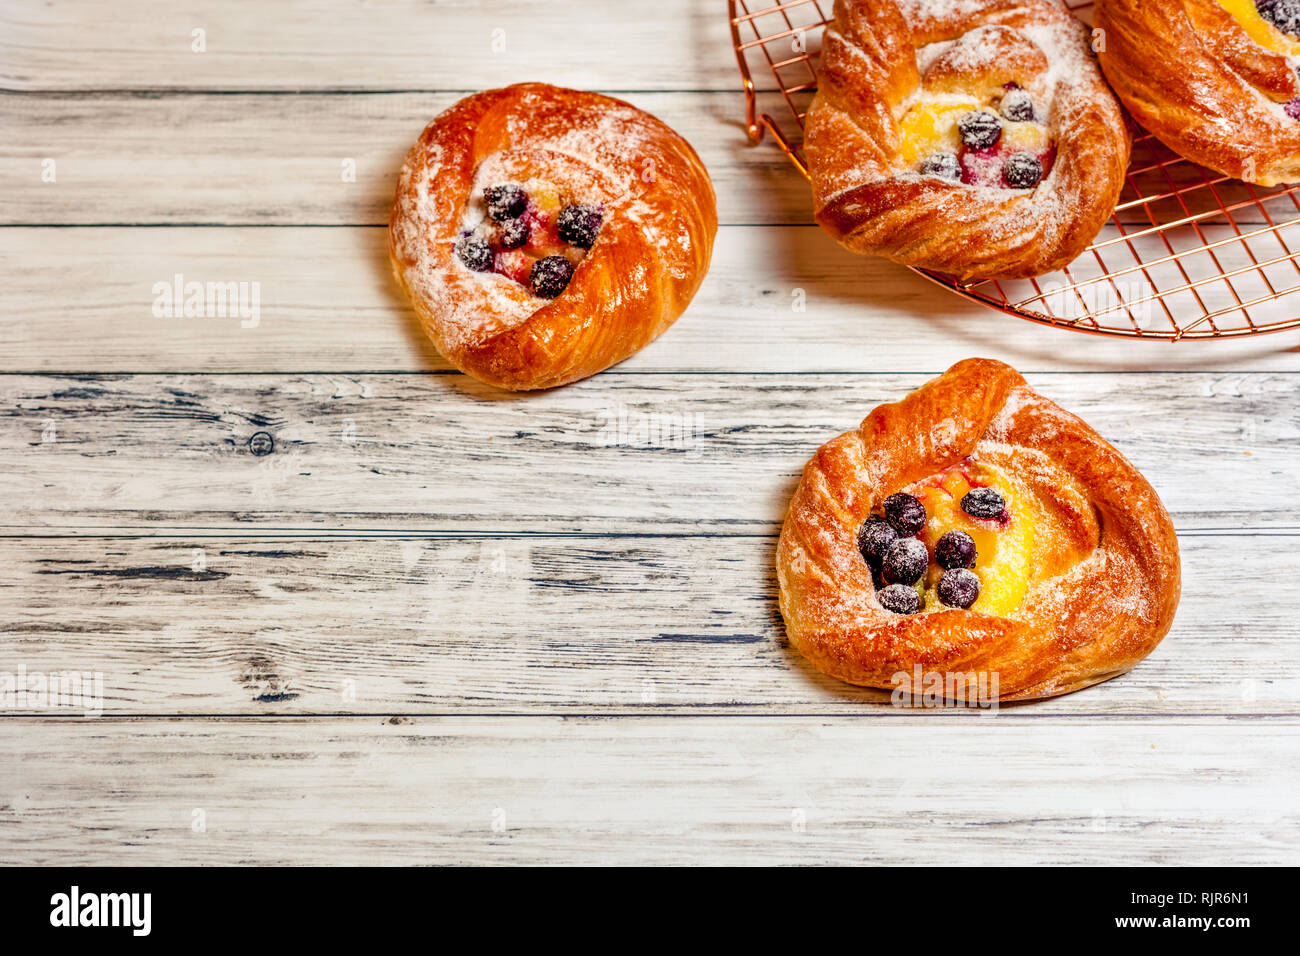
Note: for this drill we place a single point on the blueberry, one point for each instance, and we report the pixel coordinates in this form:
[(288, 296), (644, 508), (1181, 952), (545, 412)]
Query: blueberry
[(1022, 170), (1283, 14), (874, 539), (980, 129), (943, 165), (1017, 106), (956, 549), (959, 588), (984, 503), (513, 234), (906, 561), (579, 225), (550, 276), (905, 512), (1292, 108), (900, 599), (475, 253), (505, 202)]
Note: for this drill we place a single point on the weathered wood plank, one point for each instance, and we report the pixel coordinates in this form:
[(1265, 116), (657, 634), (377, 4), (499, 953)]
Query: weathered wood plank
[(299, 159), (656, 453), (79, 299), (326, 159), (712, 790), (395, 45), (537, 625)]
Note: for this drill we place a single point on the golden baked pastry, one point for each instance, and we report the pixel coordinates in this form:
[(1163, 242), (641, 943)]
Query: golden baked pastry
[(1214, 80), (976, 527), (976, 139), (544, 234)]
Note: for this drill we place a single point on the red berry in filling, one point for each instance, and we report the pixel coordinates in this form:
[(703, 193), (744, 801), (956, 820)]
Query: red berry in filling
[(988, 168), (514, 265)]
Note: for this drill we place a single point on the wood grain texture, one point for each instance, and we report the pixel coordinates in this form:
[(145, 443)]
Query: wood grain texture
[(902, 790), (653, 453), (385, 45), (326, 159), (434, 607), (539, 625), (301, 158), (81, 299)]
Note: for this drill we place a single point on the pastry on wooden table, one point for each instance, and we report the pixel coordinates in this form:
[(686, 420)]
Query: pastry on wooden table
[(975, 527), (974, 138), (545, 234), (1214, 80)]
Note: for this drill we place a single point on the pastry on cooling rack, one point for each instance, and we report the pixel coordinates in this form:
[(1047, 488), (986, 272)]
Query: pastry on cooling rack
[(977, 139), (976, 527), (545, 234), (1214, 80)]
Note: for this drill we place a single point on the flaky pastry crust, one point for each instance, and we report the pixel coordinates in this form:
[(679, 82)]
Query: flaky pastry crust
[(649, 259), (1106, 575), (1190, 73), (876, 58)]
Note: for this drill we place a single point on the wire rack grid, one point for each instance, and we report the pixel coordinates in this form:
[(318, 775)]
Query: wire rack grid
[(1188, 253)]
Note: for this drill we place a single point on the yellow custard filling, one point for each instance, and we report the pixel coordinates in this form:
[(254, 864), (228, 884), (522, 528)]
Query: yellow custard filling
[(1260, 30), (931, 127), (1005, 549), (1025, 137)]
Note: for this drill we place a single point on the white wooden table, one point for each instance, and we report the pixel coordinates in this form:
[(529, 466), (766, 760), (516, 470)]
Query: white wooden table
[(441, 624)]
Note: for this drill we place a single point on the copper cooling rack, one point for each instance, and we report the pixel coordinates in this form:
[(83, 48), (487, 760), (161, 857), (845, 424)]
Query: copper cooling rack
[(1189, 253)]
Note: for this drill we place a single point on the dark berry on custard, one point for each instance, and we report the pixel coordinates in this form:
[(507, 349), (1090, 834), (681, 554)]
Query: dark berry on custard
[(505, 202), (475, 253), (513, 233), (1017, 106), (900, 599), (959, 588), (874, 539), (1022, 170), (579, 225), (980, 129), (906, 513), (1283, 14), (984, 503), (943, 165), (550, 276), (1292, 108), (956, 549), (906, 561)]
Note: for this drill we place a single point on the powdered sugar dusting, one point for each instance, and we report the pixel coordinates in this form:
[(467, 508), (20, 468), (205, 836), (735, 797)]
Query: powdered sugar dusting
[(594, 151), (1069, 93)]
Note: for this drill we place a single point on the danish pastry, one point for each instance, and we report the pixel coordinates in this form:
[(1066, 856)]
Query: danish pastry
[(1214, 80), (976, 139), (545, 234), (975, 527)]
